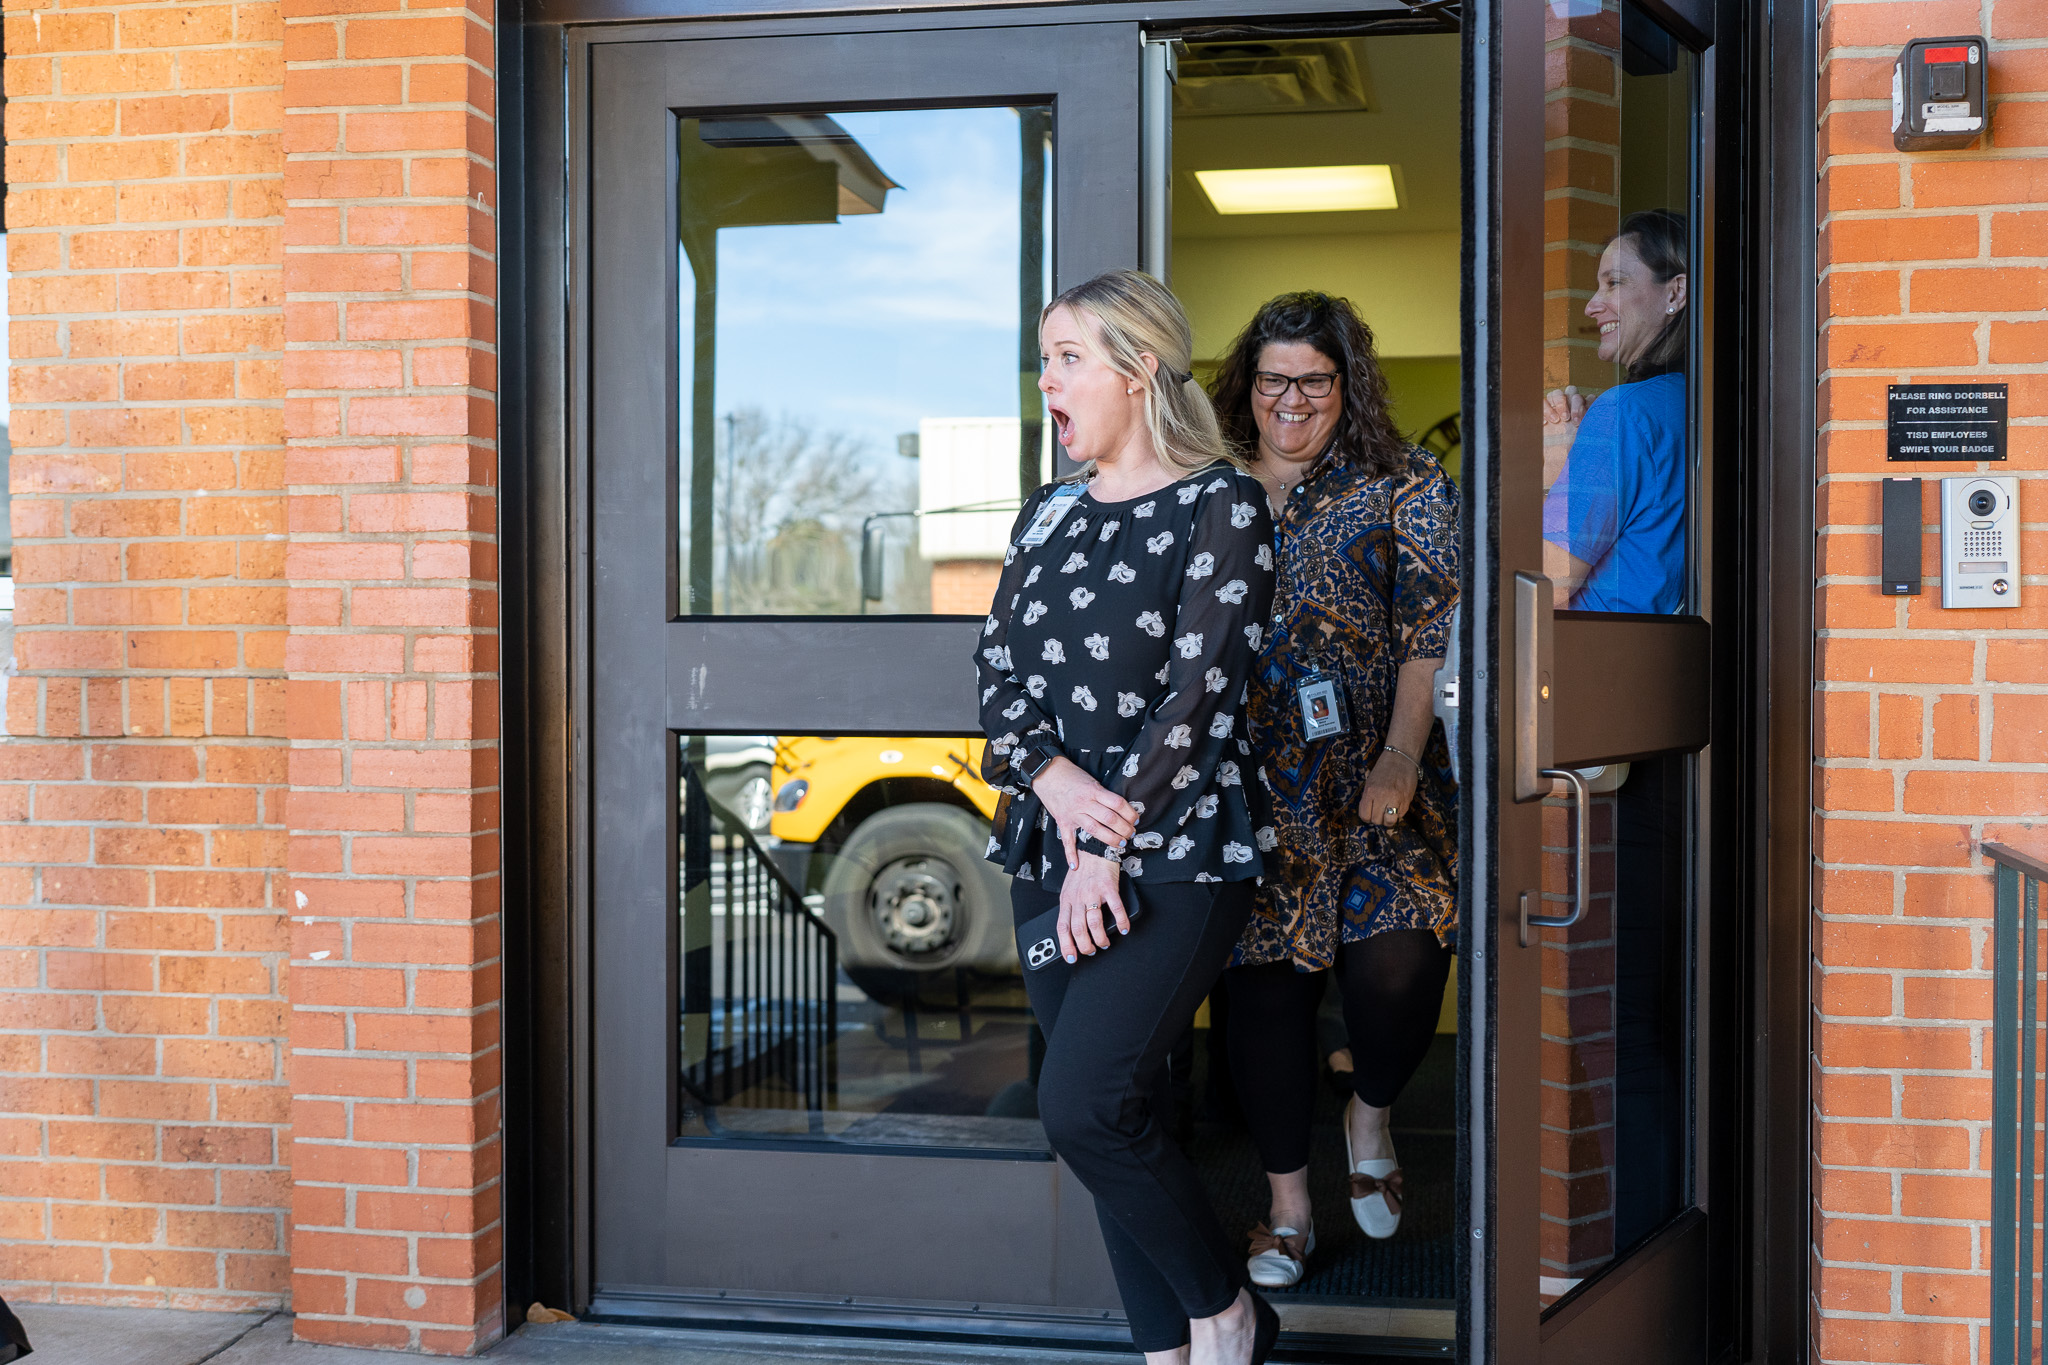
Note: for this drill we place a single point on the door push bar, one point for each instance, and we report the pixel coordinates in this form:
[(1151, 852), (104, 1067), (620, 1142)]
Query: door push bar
[(1533, 748)]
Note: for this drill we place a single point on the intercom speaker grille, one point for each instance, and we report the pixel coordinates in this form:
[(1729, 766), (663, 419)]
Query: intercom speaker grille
[(1984, 544)]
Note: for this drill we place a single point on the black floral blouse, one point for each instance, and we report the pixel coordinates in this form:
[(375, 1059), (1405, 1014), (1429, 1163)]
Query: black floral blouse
[(1126, 641), (1368, 581)]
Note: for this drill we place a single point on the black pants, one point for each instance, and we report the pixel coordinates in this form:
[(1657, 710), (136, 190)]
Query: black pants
[(1110, 1022), (1393, 988)]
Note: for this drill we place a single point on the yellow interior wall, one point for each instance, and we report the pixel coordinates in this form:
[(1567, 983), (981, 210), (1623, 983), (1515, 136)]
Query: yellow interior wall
[(1404, 284)]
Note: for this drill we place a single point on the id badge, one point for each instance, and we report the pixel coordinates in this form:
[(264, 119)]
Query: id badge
[(1322, 707), (1049, 517)]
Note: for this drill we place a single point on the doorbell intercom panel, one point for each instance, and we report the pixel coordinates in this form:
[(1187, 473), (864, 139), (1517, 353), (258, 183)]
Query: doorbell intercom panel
[(1980, 541)]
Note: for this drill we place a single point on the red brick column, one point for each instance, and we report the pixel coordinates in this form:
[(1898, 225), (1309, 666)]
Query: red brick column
[(1932, 725), (391, 422), (141, 1083)]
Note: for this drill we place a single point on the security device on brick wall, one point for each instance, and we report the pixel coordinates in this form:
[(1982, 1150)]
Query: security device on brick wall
[(1980, 541), (1938, 94), (1899, 566)]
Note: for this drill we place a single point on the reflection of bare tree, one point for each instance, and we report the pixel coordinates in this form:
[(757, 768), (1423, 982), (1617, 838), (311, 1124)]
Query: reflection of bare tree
[(790, 504)]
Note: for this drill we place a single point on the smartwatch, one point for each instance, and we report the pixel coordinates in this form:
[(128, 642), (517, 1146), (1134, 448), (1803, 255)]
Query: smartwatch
[(1029, 763)]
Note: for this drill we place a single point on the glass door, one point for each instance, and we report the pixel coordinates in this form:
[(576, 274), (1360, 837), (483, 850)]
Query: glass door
[(813, 270), (1592, 635)]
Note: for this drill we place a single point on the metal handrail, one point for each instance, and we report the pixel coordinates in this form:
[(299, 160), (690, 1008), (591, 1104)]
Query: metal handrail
[(2016, 1057)]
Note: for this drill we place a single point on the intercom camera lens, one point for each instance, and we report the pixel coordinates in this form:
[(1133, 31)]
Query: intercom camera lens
[(1983, 502)]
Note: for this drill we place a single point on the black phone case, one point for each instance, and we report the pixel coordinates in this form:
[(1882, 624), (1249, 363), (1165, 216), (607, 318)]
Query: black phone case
[(1038, 938)]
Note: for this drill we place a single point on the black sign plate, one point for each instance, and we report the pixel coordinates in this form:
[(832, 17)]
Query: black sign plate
[(1964, 422)]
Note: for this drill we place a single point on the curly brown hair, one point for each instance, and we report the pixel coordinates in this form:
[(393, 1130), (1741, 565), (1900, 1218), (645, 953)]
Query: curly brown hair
[(1366, 435)]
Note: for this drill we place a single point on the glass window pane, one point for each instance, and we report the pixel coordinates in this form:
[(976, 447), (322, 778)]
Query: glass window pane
[(1618, 455), (858, 403)]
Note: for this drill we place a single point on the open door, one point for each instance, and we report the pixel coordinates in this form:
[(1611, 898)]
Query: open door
[(1590, 637)]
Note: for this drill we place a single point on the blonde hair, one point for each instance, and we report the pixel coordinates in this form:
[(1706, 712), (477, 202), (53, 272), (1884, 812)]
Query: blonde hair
[(1134, 315)]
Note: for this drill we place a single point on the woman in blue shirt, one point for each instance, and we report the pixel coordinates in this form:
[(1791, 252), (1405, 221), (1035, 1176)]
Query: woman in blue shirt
[(1614, 522)]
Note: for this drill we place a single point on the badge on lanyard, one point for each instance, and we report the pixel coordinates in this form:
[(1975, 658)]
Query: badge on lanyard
[(1322, 706), (1050, 515)]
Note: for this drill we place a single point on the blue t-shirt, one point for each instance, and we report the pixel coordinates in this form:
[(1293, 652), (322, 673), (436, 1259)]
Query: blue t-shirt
[(1619, 505)]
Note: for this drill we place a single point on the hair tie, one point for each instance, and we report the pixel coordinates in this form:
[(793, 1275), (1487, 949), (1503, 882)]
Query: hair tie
[(1180, 376)]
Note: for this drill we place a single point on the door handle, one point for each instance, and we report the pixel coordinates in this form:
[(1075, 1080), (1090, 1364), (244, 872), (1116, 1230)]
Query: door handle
[(1582, 859), (1533, 669)]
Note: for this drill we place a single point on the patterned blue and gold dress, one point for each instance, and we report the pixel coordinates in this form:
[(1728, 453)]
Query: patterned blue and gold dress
[(1368, 579)]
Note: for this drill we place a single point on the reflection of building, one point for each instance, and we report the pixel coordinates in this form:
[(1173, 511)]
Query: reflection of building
[(968, 462)]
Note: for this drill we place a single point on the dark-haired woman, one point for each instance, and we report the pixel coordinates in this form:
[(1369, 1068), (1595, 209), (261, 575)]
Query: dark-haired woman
[(1364, 880), (1614, 521)]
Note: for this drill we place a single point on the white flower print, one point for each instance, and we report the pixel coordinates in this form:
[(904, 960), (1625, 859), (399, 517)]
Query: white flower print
[(1180, 847), (1129, 704), (1157, 544), (1165, 671), (1219, 725), (1054, 652), (1144, 509), (1220, 483), (1085, 698), (1009, 556), (1242, 514), (1033, 612), (1202, 565), (1032, 577), (1227, 776), (1151, 838), (1182, 778), (1135, 866), (1180, 737), (1131, 766), (1233, 592), (1080, 597), (1263, 557), (1189, 644), (1205, 807), (1024, 873), (993, 844), (1121, 572), (1035, 685), (1075, 563), (987, 692), (1234, 852), (1244, 746), (1207, 877), (1254, 633), (1152, 623), (1214, 681), (1268, 838), (990, 628), (998, 657), (1109, 528), (1138, 806), (1188, 494), (1264, 781), (1016, 709), (1098, 646), (1076, 527)]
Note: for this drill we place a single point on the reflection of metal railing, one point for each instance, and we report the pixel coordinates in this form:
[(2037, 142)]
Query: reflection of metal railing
[(2016, 1019), (760, 994)]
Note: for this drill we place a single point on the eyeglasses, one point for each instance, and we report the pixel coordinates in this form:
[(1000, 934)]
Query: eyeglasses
[(1311, 385)]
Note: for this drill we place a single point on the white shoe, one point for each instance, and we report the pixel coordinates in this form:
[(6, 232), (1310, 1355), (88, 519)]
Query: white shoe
[(1280, 1256), (1375, 1190)]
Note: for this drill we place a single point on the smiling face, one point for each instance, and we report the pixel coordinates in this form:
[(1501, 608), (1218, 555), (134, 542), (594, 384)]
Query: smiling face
[(1631, 305), (1094, 411), (1292, 426)]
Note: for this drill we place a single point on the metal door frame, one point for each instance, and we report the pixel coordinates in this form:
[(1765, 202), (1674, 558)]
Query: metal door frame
[(1766, 174)]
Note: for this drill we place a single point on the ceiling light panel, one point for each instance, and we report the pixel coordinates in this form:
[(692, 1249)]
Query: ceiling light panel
[(1300, 189)]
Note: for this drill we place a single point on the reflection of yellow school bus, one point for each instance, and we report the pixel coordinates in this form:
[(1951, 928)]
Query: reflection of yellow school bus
[(897, 834)]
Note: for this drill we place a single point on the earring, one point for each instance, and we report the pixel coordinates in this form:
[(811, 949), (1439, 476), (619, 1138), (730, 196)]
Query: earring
[(1671, 308)]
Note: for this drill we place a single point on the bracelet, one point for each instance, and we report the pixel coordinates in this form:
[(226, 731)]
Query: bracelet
[(1390, 749)]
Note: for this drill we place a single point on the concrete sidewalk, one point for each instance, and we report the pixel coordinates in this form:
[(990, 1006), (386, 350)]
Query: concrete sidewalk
[(149, 1336)]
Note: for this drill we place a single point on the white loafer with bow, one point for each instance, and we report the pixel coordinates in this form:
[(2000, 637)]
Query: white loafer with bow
[(1375, 1190), (1280, 1255)]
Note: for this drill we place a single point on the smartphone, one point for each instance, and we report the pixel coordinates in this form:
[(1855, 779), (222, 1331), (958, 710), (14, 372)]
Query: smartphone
[(1038, 939)]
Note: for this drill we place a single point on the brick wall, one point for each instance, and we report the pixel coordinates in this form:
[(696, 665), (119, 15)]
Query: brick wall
[(253, 278), (142, 798), (389, 325), (1932, 725)]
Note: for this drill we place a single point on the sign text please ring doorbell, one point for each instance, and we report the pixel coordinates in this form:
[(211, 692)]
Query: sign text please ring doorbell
[(1980, 541)]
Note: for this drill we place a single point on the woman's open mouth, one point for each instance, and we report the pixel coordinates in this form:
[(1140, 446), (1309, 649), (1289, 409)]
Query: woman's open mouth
[(1063, 425)]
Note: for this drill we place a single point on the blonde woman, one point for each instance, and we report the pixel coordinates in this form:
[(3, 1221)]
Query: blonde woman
[(1113, 673)]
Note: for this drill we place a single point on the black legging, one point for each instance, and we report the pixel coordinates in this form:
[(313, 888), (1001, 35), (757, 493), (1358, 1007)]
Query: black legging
[(1110, 1022), (1393, 987)]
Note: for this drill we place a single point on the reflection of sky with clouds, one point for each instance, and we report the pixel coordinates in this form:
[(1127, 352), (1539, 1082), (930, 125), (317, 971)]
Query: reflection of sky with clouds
[(867, 325)]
